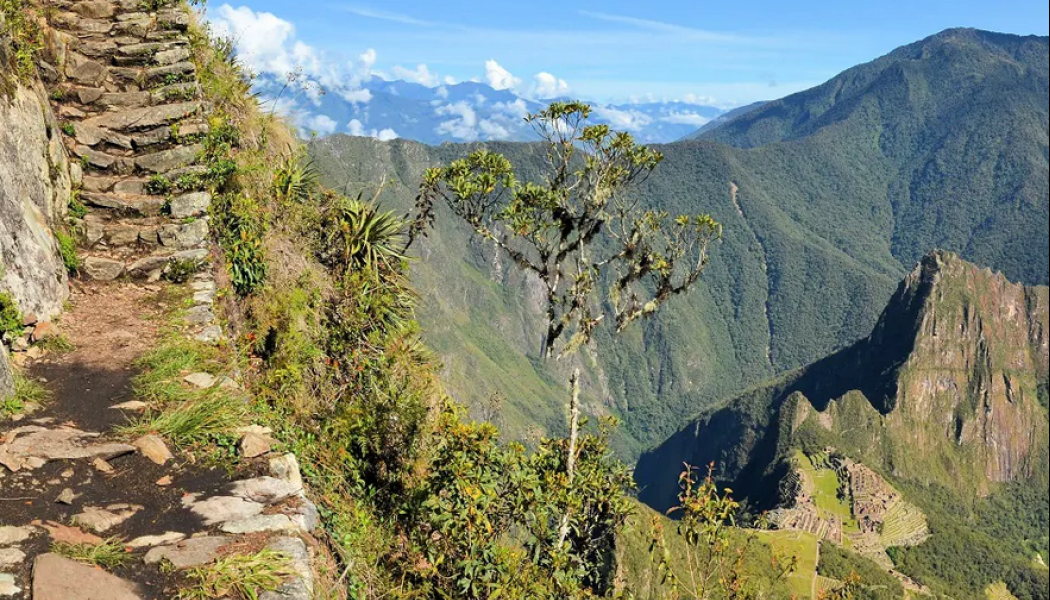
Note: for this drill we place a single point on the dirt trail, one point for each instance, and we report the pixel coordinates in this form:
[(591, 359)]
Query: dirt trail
[(110, 326)]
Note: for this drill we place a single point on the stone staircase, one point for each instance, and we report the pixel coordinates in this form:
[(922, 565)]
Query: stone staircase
[(130, 108)]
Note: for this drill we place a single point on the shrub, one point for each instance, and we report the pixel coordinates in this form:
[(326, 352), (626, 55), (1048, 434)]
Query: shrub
[(242, 225), (10, 316)]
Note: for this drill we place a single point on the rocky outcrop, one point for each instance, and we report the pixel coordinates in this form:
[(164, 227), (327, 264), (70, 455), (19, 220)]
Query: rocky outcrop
[(7, 383), (946, 392), (34, 195)]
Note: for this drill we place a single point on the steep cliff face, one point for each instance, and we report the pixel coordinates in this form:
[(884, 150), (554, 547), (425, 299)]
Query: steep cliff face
[(947, 391), (34, 195)]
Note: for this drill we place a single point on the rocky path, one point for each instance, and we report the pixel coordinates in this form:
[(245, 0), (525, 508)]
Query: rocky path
[(128, 100), (66, 476)]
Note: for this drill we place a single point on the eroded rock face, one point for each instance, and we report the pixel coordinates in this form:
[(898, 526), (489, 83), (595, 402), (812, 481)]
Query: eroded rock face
[(34, 193)]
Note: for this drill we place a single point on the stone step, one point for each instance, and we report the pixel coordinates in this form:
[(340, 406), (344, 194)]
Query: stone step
[(101, 267), (177, 234), (150, 117), (173, 73), (126, 204), (167, 161), (135, 186)]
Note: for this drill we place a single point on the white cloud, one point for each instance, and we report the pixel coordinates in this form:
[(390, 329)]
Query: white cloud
[(442, 92), (631, 120), (322, 124), (267, 44), (357, 129), (685, 118), (493, 130), (499, 78), (548, 86), (361, 96), (700, 100), (368, 58), (517, 109), (262, 39), (463, 125), (450, 80), (421, 75)]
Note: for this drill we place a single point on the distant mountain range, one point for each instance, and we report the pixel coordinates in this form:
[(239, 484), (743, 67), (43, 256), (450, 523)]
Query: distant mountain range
[(464, 112)]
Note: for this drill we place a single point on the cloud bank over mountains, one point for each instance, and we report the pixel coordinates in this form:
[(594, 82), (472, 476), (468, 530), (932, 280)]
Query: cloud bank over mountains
[(324, 95)]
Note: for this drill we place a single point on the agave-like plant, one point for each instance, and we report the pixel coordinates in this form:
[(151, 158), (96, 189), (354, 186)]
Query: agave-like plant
[(359, 235), (294, 179)]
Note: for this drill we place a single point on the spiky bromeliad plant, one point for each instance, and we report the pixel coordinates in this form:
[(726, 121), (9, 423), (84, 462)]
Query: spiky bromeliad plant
[(358, 235)]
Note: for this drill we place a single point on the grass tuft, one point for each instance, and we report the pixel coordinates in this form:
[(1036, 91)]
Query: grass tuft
[(211, 416), (110, 554), (240, 576), (28, 392)]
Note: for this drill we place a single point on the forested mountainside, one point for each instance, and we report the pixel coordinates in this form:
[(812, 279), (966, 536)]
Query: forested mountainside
[(820, 225), (946, 400), (958, 122)]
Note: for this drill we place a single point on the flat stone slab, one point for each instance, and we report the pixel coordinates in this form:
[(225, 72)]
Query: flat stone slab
[(222, 509), (7, 586), (260, 524), (188, 553), (10, 536), (11, 557), (32, 447), (144, 118), (298, 588), (102, 520), (264, 490), (150, 541), (58, 578)]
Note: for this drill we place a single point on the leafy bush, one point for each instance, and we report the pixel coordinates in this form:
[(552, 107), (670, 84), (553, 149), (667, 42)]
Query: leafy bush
[(10, 316), (242, 225), (1044, 395)]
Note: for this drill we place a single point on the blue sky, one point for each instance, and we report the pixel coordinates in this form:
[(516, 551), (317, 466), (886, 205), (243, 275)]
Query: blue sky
[(728, 53)]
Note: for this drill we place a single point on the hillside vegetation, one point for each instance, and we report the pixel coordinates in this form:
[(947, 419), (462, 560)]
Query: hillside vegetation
[(820, 225)]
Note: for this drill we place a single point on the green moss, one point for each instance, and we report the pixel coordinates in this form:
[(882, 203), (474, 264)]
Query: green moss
[(67, 248)]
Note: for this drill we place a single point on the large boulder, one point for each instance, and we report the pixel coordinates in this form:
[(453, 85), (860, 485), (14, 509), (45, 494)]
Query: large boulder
[(34, 198)]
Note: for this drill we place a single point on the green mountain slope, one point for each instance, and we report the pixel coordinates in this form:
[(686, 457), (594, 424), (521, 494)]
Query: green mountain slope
[(960, 121), (942, 400), (818, 230)]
